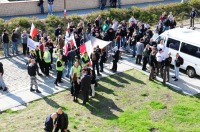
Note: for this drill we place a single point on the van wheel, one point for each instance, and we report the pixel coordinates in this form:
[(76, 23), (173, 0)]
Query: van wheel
[(191, 72)]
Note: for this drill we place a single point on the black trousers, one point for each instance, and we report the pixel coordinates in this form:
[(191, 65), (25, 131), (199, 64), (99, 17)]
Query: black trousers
[(41, 64), (85, 96), (58, 128), (59, 77), (144, 64), (191, 22), (95, 64), (76, 91), (25, 49), (114, 68), (138, 59), (46, 68), (101, 65)]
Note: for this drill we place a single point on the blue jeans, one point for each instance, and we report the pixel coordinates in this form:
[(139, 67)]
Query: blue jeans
[(176, 72), (134, 50), (6, 49), (14, 47), (119, 3), (69, 66), (42, 8), (111, 3), (123, 42), (118, 44), (50, 8)]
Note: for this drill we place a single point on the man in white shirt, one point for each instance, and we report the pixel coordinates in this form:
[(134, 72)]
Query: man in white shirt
[(132, 19), (115, 25), (160, 57)]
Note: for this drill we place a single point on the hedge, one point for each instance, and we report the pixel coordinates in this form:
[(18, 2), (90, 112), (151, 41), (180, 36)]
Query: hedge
[(149, 14)]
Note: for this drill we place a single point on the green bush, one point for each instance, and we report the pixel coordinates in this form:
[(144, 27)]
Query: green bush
[(149, 14)]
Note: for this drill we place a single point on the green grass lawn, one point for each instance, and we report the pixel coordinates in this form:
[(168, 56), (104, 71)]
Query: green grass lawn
[(126, 102)]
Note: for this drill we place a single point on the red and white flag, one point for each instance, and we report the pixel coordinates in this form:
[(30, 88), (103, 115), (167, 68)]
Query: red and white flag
[(99, 42), (67, 32), (86, 47), (72, 41), (33, 31)]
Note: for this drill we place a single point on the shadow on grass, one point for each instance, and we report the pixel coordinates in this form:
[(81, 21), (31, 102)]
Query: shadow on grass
[(103, 107), (131, 78), (53, 104), (111, 82), (101, 88)]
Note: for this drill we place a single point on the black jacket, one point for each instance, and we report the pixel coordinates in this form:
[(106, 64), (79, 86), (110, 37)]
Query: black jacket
[(14, 37), (1, 68), (48, 124), (168, 61), (62, 121), (85, 83), (152, 60), (32, 69), (58, 32), (5, 38), (178, 62)]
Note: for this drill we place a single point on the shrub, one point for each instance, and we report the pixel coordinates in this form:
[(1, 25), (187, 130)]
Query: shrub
[(149, 14)]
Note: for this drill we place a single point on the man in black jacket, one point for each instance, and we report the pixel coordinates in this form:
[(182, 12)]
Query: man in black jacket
[(95, 56), (58, 32), (2, 84), (5, 40), (49, 122), (115, 59), (177, 64), (85, 86), (14, 42), (167, 63), (61, 122), (32, 68), (193, 14)]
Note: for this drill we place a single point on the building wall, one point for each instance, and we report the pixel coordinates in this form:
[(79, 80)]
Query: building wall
[(30, 7)]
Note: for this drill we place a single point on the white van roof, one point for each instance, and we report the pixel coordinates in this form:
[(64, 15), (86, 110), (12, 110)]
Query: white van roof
[(184, 34)]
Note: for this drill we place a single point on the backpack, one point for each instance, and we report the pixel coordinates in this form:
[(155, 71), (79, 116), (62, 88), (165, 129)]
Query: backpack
[(94, 58), (181, 60)]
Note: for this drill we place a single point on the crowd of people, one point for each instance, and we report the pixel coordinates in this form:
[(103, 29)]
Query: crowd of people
[(133, 36)]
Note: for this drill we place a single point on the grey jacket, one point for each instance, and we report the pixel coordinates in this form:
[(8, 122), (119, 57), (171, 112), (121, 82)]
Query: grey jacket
[(140, 48)]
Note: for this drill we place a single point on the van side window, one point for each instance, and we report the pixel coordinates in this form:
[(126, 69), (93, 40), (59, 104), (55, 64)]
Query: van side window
[(190, 50), (173, 44)]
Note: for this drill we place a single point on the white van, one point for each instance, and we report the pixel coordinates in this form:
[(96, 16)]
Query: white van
[(186, 42)]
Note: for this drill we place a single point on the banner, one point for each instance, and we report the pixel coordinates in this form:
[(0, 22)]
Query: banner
[(32, 44), (101, 43)]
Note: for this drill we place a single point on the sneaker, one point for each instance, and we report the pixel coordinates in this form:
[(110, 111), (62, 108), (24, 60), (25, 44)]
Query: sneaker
[(176, 79), (99, 74), (173, 77), (38, 91), (32, 90), (5, 89)]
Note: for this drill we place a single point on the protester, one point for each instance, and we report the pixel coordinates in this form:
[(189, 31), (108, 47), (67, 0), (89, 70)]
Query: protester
[(76, 86), (49, 125), (115, 59), (70, 57), (41, 4), (61, 122), (50, 45), (61, 43), (160, 57), (93, 81), (85, 86), (177, 63), (103, 58), (119, 3), (50, 7), (14, 42), (5, 39), (146, 53), (47, 60), (59, 69), (95, 56), (85, 59), (167, 64), (2, 83), (140, 48), (193, 14), (152, 64), (32, 68), (102, 4), (24, 37), (75, 69)]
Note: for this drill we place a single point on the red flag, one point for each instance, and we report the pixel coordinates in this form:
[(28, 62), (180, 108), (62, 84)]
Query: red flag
[(66, 48), (82, 48), (33, 31)]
